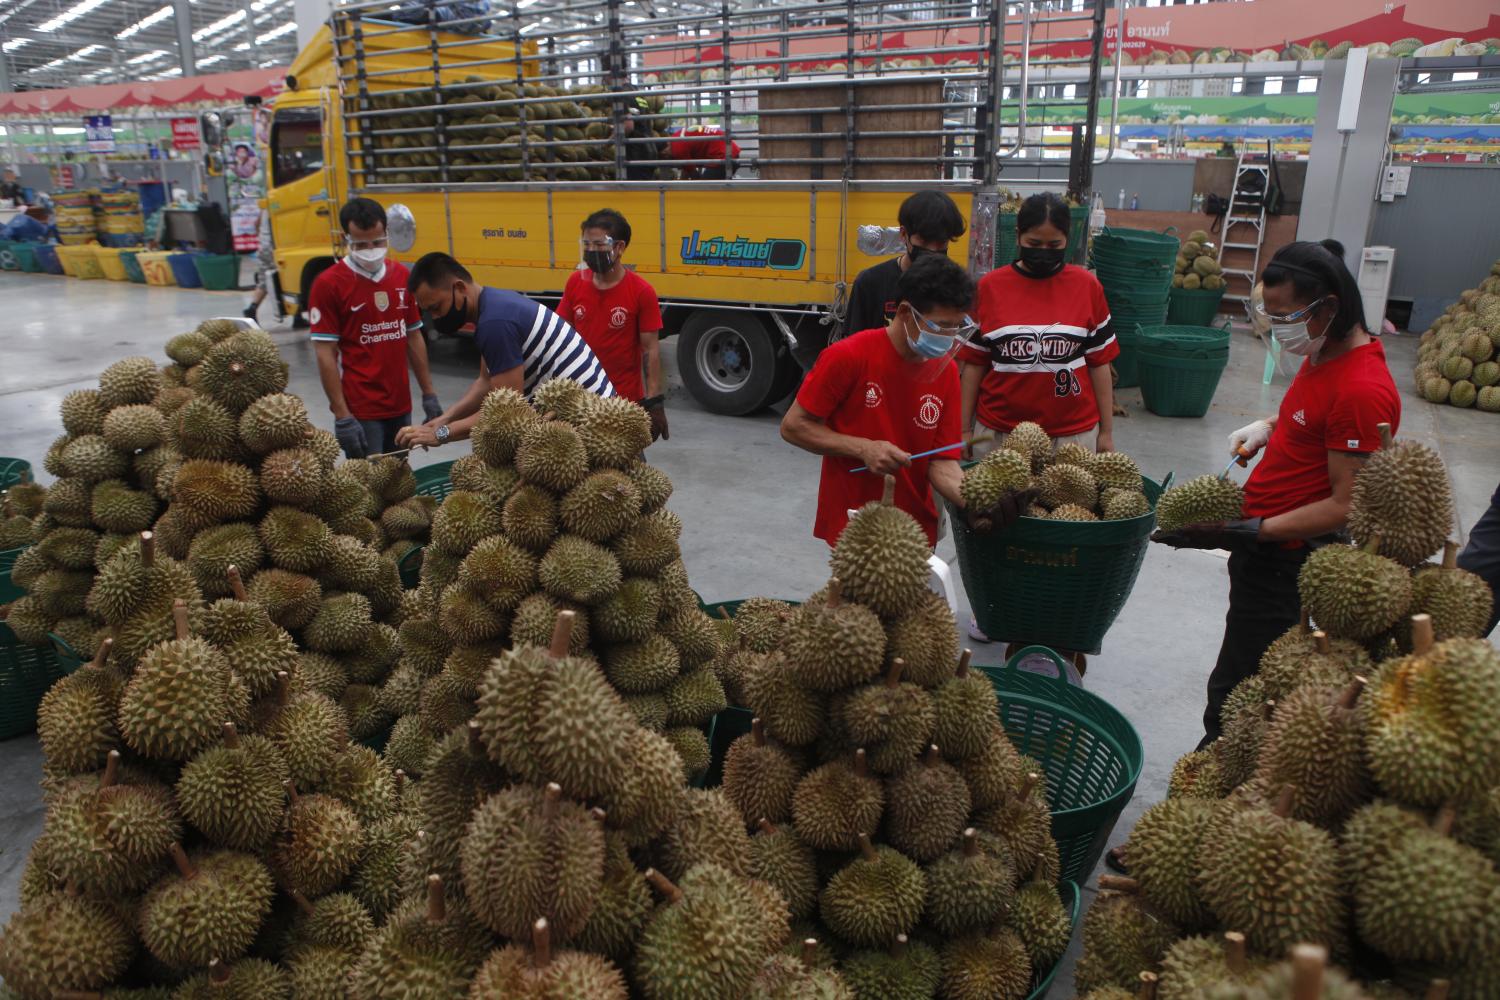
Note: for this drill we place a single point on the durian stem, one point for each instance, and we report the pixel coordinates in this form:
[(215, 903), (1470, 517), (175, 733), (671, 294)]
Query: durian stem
[(867, 849), (236, 585), (437, 906), (400, 781), (757, 732), (1029, 781), (148, 549), (1373, 545), (1421, 634), (1437, 990), (111, 770), (971, 843), (1268, 710), (1443, 822), (765, 826), (1284, 800), (1234, 953), (1120, 883), (180, 618), (724, 614), (303, 903), (933, 757), (102, 653), (861, 763), (1147, 989), (562, 632), (599, 815), (809, 951), (551, 801), (291, 790), (1351, 693), (283, 688), (1320, 639), (1308, 964), (888, 493), (964, 659), (475, 743), (1450, 554), (231, 736), (663, 885), (541, 944), (77, 995), (835, 592), (218, 973), (184, 866), (1386, 437), (898, 946), (893, 675), (1306, 619)]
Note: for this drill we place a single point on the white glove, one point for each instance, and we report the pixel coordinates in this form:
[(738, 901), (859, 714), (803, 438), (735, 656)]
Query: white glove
[(1251, 437)]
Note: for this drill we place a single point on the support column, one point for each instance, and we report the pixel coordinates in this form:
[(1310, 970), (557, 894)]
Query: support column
[(182, 16), (249, 32), (311, 15), (5, 86)]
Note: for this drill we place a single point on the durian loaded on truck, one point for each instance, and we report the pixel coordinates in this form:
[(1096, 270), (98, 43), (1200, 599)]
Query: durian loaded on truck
[(500, 150)]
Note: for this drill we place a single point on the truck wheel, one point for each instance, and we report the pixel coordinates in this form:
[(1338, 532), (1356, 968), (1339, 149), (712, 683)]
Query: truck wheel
[(729, 361)]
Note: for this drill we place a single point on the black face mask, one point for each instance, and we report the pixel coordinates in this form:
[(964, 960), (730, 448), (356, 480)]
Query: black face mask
[(915, 253), (599, 261), (1043, 261), (451, 321)]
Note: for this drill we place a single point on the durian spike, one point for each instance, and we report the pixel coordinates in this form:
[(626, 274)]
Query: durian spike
[(437, 906), (180, 618), (898, 946), (971, 843), (561, 632), (663, 885), (1386, 438), (303, 903), (1234, 953), (184, 866), (757, 732), (218, 973), (861, 763), (1350, 694), (893, 675), (888, 493), (475, 743), (867, 849), (1147, 990), (809, 951), (1421, 634), (933, 757), (964, 659), (236, 584), (111, 770), (291, 790), (1120, 883), (1450, 554), (1308, 964), (1284, 800), (148, 549), (1443, 821), (231, 736), (1437, 990), (835, 592), (1320, 639), (765, 826), (283, 688), (541, 944), (551, 801), (102, 653)]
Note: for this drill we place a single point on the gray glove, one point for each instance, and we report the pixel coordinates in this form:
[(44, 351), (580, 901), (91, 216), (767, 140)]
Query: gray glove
[(351, 437), (431, 407)]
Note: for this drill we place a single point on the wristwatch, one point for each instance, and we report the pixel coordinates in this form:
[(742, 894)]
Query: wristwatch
[(442, 433)]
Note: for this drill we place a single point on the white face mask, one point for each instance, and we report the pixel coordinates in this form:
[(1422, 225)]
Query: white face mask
[(370, 259), (1295, 338)]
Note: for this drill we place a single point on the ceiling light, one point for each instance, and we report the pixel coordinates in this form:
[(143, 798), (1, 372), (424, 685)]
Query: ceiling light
[(227, 21), (212, 59), (276, 33), (146, 57), (150, 19), (73, 13), (14, 44)]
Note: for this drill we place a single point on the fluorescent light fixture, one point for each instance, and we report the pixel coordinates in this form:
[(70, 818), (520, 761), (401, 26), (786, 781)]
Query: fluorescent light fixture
[(70, 15), (212, 59), (225, 22), (154, 18), (14, 44), (276, 33), (146, 57)]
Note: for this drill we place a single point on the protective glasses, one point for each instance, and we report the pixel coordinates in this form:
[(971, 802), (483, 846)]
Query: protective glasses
[(377, 244), (1259, 309), (960, 331)]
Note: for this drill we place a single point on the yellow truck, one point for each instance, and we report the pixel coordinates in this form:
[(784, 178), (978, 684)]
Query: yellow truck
[(499, 137)]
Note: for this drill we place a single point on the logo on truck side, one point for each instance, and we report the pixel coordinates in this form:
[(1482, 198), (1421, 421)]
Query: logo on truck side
[(720, 251)]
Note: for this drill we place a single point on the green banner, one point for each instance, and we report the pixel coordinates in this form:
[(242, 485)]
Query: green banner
[(1274, 109)]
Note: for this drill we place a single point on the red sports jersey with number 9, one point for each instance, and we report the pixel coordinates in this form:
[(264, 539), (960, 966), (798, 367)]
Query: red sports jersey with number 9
[(369, 320)]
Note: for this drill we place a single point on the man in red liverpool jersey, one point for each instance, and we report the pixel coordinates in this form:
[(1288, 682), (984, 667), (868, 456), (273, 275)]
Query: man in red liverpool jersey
[(1299, 493), (616, 312), (366, 330)]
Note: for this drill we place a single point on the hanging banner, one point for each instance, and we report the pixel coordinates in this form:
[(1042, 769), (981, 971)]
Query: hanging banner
[(185, 134), (99, 134)]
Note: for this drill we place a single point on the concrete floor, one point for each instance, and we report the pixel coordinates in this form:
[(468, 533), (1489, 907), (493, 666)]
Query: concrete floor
[(746, 500)]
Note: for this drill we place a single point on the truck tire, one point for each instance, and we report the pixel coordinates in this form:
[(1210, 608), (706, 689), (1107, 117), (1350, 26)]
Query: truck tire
[(729, 361)]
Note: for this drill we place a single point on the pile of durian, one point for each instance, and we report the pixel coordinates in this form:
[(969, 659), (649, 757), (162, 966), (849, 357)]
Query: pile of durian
[(906, 834), (20, 504), (1352, 803), (1456, 363), (1071, 482), (1197, 264)]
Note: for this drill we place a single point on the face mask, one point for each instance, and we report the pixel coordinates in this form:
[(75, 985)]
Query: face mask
[(1295, 338), (449, 322), (915, 253), (601, 262), (1043, 261), (929, 343), (370, 259)]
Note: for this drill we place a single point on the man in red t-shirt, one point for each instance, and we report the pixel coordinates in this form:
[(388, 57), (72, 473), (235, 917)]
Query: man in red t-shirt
[(1299, 494), (701, 142), (366, 330), (882, 396), (616, 312)]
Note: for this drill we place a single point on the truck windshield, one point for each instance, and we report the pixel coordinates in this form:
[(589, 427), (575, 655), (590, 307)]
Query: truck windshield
[(296, 144)]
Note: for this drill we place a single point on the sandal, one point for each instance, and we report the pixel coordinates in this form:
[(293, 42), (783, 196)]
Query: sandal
[(1114, 859)]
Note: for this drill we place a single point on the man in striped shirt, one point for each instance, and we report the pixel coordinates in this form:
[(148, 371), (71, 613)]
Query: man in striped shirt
[(521, 344)]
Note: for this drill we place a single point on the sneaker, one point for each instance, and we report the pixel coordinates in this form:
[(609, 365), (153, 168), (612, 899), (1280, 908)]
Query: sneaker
[(249, 311), (976, 633)]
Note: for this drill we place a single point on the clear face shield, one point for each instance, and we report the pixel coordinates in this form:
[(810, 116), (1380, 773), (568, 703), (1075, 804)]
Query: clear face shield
[(1291, 333), (597, 254), (936, 344)]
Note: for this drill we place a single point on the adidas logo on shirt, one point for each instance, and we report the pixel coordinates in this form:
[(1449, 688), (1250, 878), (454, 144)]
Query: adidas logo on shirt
[(1301, 417)]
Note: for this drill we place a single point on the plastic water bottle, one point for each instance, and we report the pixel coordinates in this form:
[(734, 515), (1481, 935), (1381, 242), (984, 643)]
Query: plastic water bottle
[(1121, 204), (1135, 202)]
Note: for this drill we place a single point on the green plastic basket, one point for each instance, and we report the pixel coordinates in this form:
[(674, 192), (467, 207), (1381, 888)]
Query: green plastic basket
[(1175, 386), (132, 266), (1091, 755), (26, 673), (1194, 306), (410, 567), (8, 589), (68, 658), (218, 271), (433, 480), (1184, 341), (1057, 583), (1072, 901), (14, 470)]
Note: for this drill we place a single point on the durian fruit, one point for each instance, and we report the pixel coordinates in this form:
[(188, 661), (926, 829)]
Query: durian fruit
[(1354, 593), (787, 977), (542, 974), (1000, 473), (1163, 853), (794, 714), (234, 888), (575, 569), (1458, 602), (273, 422), (76, 718), (551, 455), (1316, 745), (119, 509), (964, 709), (926, 640), (131, 380), (212, 492), (779, 858), (995, 773), (614, 431), (1121, 938), (178, 698), (1428, 720), (504, 416), (621, 905), (691, 746), (1069, 485), (1196, 775), (904, 970), (529, 517), (1306, 657), (648, 547), (968, 888), (527, 851), (709, 940), (1402, 495), (1195, 965), (1021, 822), (240, 369), (835, 803), (318, 844), (631, 614), (1115, 470), (761, 623), (83, 412), (109, 838), (309, 730), (1305, 975), (428, 947), (234, 794), (133, 428), (1204, 500), (875, 897), (61, 942), (990, 966), (1030, 440), (215, 549), (651, 794), (881, 557), (707, 828), (1121, 505), (1245, 720), (760, 777), (290, 599), (91, 459), (927, 807), (834, 644), (893, 719), (246, 979), (564, 399)]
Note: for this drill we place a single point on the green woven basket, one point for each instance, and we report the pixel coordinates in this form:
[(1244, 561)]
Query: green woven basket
[(433, 481), (68, 658), (1090, 754), (14, 470), (1072, 901), (410, 567), (1057, 583), (8, 589), (1187, 340), (26, 673), (1194, 306), (1173, 386)]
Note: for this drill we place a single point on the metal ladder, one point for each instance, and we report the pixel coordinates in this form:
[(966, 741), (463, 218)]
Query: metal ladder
[(1245, 164)]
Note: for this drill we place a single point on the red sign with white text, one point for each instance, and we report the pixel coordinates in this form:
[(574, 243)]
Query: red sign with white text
[(185, 134)]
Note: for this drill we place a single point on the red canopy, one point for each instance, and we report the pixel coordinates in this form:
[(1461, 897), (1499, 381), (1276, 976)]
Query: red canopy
[(157, 94)]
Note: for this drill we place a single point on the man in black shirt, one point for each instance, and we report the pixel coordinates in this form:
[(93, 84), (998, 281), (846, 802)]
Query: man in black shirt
[(10, 187), (929, 221)]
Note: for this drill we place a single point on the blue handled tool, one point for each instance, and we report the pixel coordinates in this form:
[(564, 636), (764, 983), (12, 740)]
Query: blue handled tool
[(972, 439), (1241, 458)]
